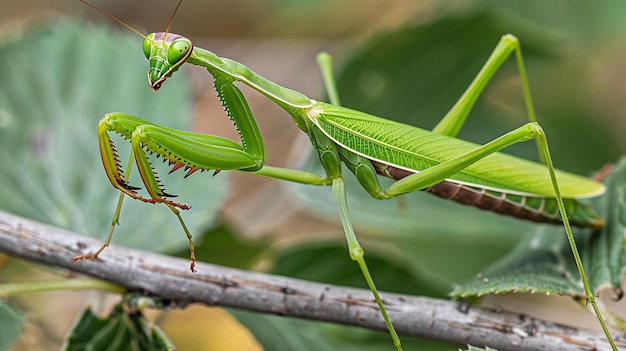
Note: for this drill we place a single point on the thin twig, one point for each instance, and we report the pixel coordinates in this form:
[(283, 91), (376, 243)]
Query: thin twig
[(168, 277)]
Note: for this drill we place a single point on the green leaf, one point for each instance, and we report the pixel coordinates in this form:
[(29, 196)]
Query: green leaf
[(10, 325), (124, 328), (544, 263), (58, 81), (607, 247)]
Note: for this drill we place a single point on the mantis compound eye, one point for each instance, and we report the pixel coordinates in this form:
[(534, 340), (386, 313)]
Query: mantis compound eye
[(178, 51), (147, 45)]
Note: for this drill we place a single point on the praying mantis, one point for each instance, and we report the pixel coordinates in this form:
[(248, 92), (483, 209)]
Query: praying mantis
[(416, 159)]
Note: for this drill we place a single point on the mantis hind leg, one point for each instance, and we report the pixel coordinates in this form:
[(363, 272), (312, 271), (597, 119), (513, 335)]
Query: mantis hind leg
[(450, 126), (433, 175), (455, 118), (452, 122)]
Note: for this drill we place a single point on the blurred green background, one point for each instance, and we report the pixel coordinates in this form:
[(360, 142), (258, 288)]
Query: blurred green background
[(403, 60)]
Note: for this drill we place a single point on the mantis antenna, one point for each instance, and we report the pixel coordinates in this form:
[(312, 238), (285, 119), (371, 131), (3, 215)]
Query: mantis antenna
[(118, 20), (167, 29), (169, 23)]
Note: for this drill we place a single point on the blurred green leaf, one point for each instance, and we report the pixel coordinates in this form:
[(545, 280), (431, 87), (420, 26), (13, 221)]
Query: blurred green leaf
[(280, 333), (221, 245), (329, 262), (58, 81), (586, 20), (10, 325)]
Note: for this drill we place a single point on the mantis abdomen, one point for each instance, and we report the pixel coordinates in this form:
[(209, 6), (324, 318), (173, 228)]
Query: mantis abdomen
[(538, 209)]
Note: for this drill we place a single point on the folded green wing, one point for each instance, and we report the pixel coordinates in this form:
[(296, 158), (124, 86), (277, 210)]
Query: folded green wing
[(415, 149)]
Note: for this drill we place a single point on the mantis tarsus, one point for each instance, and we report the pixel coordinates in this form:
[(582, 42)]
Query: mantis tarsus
[(433, 161)]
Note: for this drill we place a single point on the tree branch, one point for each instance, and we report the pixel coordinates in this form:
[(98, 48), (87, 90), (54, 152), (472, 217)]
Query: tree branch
[(164, 276)]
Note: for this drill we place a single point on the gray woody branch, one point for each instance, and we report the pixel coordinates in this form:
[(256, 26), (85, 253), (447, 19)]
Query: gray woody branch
[(168, 277)]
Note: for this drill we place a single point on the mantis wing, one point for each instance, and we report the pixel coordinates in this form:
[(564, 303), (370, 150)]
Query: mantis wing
[(414, 149)]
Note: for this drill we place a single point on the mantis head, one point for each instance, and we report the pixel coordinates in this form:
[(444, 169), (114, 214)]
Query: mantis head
[(166, 52)]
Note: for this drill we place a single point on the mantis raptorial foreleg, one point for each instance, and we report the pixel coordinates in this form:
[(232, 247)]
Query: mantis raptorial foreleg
[(417, 159)]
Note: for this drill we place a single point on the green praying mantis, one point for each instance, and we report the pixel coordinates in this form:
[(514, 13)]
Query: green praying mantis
[(417, 159)]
